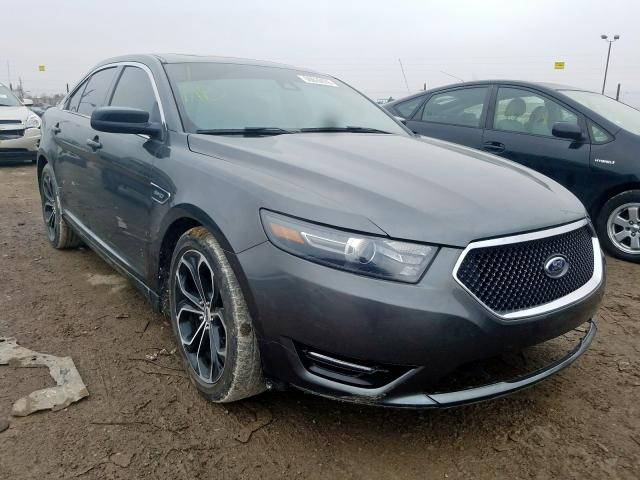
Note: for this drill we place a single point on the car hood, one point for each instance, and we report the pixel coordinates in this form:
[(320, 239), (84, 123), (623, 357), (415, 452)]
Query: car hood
[(19, 114), (410, 188)]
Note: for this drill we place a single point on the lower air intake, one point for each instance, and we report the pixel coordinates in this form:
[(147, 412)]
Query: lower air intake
[(348, 371)]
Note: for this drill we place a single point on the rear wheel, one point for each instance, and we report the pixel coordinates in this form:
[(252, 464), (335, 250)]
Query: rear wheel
[(59, 232), (619, 226), (211, 322)]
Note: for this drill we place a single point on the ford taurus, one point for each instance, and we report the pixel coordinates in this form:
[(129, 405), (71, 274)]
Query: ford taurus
[(299, 236)]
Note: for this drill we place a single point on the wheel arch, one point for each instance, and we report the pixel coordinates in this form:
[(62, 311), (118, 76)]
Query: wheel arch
[(604, 197), (176, 222)]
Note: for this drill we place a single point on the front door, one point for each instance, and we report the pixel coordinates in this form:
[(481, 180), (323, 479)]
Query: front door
[(520, 129), (123, 166)]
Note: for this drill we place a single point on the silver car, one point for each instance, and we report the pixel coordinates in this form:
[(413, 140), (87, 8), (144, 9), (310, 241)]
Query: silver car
[(19, 128)]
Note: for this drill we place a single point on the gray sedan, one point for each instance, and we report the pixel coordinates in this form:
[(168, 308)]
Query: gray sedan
[(299, 236)]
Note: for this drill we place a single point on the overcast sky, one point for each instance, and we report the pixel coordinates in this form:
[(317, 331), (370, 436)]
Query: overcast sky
[(357, 41)]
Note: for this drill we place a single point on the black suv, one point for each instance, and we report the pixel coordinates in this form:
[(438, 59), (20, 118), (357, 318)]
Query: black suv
[(587, 142), (298, 235)]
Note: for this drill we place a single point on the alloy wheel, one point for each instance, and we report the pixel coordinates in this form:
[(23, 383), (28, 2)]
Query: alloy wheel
[(623, 228), (49, 211), (200, 316)]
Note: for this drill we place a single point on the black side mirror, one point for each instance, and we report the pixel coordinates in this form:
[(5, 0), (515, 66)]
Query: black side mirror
[(567, 130), (124, 120)]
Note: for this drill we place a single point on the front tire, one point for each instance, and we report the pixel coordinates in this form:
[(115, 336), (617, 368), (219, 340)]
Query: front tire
[(211, 322), (618, 226), (59, 232)]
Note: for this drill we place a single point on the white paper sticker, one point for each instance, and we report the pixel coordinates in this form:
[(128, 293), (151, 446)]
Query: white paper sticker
[(317, 80), (2, 95)]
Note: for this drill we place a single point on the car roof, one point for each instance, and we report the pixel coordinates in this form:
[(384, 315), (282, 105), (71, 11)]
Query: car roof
[(172, 58), (520, 83)]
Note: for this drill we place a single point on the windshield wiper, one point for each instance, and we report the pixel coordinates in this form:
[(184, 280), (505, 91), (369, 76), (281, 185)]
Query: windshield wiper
[(252, 131), (349, 129)]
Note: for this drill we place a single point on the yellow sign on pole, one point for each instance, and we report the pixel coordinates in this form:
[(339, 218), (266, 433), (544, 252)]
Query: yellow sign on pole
[(41, 68), (558, 65)]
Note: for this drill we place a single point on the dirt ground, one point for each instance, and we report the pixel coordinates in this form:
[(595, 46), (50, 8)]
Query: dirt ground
[(144, 419)]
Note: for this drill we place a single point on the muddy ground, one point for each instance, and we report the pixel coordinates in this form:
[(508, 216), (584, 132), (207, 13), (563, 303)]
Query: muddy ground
[(144, 419)]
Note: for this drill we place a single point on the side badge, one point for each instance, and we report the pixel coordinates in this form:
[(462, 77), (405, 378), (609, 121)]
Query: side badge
[(606, 162), (159, 194)]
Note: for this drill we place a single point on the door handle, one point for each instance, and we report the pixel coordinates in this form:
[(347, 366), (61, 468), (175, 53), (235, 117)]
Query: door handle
[(56, 129), (94, 144), (494, 146)]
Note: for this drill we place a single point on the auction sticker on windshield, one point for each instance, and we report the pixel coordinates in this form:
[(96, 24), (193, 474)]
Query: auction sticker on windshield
[(317, 80)]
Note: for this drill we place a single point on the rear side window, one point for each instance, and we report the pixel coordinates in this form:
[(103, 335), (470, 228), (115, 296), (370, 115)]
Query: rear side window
[(95, 92), (405, 109), (134, 90), (457, 107)]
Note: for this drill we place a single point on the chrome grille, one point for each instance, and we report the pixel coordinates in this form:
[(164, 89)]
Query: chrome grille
[(508, 275)]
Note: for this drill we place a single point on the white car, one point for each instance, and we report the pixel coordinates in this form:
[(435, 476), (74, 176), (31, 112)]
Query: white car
[(19, 128)]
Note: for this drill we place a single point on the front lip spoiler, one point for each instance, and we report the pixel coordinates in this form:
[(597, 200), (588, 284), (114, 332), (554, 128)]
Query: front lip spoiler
[(476, 394), (486, 392)]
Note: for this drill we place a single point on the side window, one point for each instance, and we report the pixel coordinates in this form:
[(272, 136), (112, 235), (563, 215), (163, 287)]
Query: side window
[(134, 90), (405, 109), (95, 92), (524, 111), (456, 107), (598, 134), (72, 104)]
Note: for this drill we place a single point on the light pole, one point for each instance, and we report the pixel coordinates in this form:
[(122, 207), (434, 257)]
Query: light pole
[(606, 68)]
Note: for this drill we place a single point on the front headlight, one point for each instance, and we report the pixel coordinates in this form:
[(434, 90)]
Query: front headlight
[(33, 121), (354, 252)]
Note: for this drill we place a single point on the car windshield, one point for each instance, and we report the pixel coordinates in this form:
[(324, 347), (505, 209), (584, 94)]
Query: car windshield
[(617, 112), (223, 98), (8, 99)]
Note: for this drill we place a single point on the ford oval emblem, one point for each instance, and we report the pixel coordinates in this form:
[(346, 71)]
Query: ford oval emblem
[(556, 266)]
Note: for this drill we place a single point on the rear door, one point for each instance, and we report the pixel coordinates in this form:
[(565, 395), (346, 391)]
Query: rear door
[(68, 164), (76, 179), (456, 115), (520, 129)]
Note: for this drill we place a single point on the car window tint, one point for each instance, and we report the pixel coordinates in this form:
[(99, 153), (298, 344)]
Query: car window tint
[(95, 92), (457, 107), (134, 90), (72, 104), (523, 111), (405, 109)]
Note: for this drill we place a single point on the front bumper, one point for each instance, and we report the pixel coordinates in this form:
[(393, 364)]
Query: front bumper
[(25, 147), (423, 331)]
